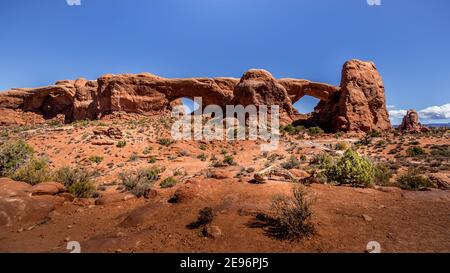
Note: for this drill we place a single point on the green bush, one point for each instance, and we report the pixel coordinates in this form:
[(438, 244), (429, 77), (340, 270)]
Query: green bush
[(342, 146), (383, 174), (322, 161), (13, 154), (415, 151), (291, 130), (140, 181), (152, 159), (374, 133), (165, 141), (169, 182), (413, 180), (77, 181), (82, 189), (202, 157), (229, 160), (33, 172), (121, 144), (315, 131), (352, 169), (96, 159)]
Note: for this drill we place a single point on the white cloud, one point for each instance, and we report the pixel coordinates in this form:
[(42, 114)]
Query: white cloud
[(429, 113), (397, 113), (436, 112)]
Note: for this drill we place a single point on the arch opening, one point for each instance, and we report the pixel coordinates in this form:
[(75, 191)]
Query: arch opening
[(306, 104)]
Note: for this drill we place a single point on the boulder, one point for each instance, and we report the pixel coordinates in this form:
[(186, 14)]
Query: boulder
[(441, 180), (47, 188), (19, 208)]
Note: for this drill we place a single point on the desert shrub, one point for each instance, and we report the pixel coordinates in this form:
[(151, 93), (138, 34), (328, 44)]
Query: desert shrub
[(77, 181), (290, 217), (202, 157), (352, 169), (322, 161), (139, 182), (169, 182), (374, 133), (383, 174), (415, 151), (82, 189), (147, 150), (291, 130), (413, 180), (292, 163), (133, 157), (33, 172), (121, 143), (96, 159), (165, 141), (205, 216), (152, 159), (315, 131), (366, 140), (342, 146), (443, 150), (203, 147), (229, 160), (13, 154)]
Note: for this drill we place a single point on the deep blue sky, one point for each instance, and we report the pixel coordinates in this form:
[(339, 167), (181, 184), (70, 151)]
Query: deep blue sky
[(409, 40)]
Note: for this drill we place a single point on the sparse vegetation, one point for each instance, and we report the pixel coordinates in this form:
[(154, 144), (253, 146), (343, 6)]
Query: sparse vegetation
[(152, 159), (415, 151), (314, 131), (140, 181), (342, 146), (96, 159), (169, 182), (383, 174), (205, 216), (229, 160), (13, 155), (165, 142), (292, 163), (33, 172), (77, 181), (413, 180), (290, 217), (121, 143)]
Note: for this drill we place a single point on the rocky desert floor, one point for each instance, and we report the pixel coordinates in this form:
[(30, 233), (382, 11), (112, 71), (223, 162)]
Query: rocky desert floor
[(219, 175)]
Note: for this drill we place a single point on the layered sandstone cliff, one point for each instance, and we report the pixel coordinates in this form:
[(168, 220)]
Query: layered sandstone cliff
[(358, 104)]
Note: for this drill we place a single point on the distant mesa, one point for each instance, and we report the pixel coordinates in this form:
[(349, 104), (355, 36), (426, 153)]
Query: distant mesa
[(358, 104)]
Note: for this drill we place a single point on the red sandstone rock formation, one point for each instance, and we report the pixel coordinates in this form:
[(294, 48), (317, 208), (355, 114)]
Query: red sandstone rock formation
[(357, 105), (411, 124), (360, 105)]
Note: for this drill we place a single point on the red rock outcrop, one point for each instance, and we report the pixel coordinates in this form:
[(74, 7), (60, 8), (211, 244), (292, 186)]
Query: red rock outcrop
[(357, 105), (360, 105), (411, 124)]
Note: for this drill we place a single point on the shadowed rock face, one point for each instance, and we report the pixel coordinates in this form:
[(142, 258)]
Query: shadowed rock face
[(357, 105)]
